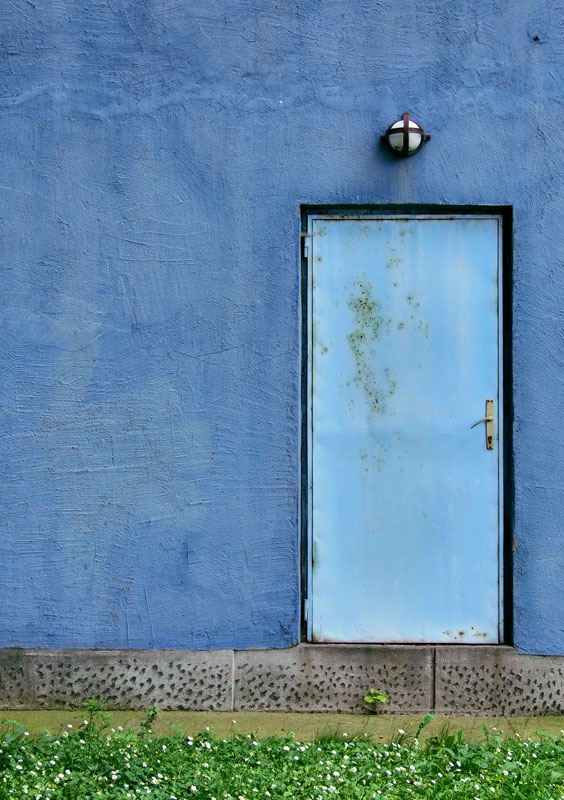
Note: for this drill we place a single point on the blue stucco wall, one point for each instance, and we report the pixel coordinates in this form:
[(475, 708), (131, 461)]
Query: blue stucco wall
[(154, 156)]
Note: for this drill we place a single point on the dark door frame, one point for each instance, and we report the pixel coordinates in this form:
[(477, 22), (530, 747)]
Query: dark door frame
[(349, 210)]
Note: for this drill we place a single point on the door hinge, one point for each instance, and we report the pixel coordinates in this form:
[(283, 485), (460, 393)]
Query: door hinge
[(305, 607), (306, 237)]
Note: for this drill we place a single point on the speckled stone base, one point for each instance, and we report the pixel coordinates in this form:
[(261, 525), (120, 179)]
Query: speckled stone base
[(497, 681), (182, 679), (461, 679)]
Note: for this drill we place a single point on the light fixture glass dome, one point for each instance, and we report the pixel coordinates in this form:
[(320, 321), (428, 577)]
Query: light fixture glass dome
[(405, 137)]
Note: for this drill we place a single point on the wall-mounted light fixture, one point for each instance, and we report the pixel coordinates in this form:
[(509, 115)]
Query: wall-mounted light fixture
[(405, 137)]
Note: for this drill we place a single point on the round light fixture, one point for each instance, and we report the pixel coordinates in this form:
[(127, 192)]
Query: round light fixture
[(405, 137)]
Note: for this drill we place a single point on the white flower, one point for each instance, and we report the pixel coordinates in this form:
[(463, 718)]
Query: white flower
[(193, 789)]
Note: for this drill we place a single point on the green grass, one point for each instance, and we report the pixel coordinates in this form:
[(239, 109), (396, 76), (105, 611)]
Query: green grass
[(95, 761)]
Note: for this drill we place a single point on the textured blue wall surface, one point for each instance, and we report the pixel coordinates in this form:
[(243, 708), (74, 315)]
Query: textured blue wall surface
[(154, 158)]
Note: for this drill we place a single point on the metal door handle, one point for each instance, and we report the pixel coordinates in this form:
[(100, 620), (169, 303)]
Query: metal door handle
[(489, 420), (484, 419)]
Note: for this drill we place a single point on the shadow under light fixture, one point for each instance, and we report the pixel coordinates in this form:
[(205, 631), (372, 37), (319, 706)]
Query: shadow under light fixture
[(405, 137)]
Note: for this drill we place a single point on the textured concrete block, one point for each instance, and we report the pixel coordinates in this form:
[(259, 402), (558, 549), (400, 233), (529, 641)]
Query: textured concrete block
[(14, 683), (456, 679), (497, 681), (333, 678), (196, 680)]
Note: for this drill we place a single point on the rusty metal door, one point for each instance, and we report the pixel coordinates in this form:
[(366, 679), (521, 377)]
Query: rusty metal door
[(405, 500)]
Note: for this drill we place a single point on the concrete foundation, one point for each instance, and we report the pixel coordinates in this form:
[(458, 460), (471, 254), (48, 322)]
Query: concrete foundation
[(478, 680)]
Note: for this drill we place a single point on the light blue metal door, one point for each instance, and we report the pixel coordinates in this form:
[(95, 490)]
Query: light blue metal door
[(405, 496)]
